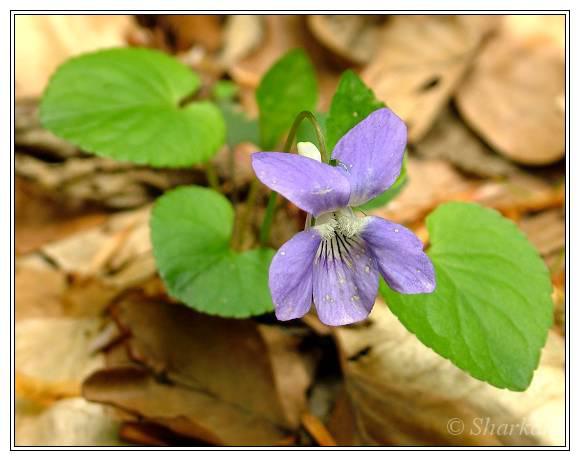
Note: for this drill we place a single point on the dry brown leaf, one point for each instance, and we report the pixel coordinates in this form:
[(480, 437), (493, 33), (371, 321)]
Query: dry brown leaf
[(57, 349), (38, 292), (241, 35), (352, 38), (519, 194), (546, 231), (187, 30), (403, 393), (186, 412), (430, 183), (107, 247), (42, 218), (513, 95), (69, 422), (45, 41), (225, 381), (451, 140), (419, 63), (282, 33)]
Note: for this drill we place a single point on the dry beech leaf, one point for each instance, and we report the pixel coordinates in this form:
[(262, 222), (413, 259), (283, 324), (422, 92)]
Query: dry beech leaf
[(420, 61), (122, 237), (546, 230), (519, 194), (45, 41), (403, 393), (41, 218), (451, 140), (57, 349), (241, 35), (353, 38), (187, 30), (188, 413), (281, 34), (39, 292), (225, 381), (69, 422), (430, 183), (513, 95)]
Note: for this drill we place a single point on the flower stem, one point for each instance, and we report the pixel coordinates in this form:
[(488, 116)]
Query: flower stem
[(268, 218), (212, 177), (271, 208)]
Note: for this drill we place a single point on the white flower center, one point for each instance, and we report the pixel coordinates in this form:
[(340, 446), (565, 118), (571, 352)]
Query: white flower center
[(343, 222)]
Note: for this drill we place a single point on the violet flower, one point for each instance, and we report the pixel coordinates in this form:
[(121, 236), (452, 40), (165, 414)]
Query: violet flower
[(337, 261)]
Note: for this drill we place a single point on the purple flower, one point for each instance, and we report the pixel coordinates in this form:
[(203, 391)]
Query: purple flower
[(337, 261)]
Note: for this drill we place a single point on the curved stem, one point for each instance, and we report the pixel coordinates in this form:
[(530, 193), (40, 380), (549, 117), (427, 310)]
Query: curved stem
[(271, 208), (293, 130)]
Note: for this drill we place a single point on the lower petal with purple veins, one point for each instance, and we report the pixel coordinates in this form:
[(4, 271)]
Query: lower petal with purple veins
[(290, 277), (346, 281), (400, 256)]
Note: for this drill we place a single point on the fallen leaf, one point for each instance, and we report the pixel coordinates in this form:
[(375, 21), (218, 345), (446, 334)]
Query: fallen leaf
[(249, 375), (513, 94), (451, 140), (187, 30), (430, 183), (45, 41), (41, 218), (419, 63), (403, 393), (188, 413), (241, 35), (546, 230), (70, 422), (70, 356), (351, 37), (38, 292)]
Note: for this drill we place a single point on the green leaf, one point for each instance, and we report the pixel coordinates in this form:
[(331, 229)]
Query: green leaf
[(240, 128), (191, 229), (491, 311), (388, 195), (352, 102), (124, 103), (287, 89)]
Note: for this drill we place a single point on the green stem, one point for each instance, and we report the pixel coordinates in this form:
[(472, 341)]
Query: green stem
[(268, 218), (271, 208), (240, 228), (212, 177)]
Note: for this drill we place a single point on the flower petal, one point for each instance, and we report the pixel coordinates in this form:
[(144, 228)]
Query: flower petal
[(313, 186), (291, 275), (400, 256), (371, 154), (345, 282)]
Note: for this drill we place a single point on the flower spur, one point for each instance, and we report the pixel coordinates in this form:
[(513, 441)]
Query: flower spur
[(337, 261)]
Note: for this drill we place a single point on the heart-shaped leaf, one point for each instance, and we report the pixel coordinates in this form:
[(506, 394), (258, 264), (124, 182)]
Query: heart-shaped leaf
[(288, 88), (492, 309), (191, 228), (128, 104)]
